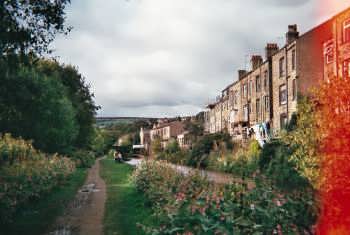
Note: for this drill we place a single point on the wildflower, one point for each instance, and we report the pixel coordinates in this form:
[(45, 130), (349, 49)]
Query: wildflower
[(180, 196), (252, 206), (202, 210)]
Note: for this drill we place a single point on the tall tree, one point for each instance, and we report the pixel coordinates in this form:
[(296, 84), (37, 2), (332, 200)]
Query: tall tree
[(37, 107), (79, 94), (30, 25)]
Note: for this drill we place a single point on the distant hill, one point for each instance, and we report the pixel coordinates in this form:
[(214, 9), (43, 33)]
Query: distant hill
[(105, 121)]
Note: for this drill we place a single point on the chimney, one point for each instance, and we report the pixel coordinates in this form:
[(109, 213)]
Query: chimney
[(256, 61), (271, 49), (241, 74), (292, 33)]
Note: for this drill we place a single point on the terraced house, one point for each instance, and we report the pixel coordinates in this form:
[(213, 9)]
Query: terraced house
[(269, 92)]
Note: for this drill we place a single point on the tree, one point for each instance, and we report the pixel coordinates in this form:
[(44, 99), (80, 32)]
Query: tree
[(30, 26), (36, 107), (304, 140), (78, 92)]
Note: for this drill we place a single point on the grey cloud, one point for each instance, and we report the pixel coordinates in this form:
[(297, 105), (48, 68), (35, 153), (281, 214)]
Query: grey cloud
[(165, 57)]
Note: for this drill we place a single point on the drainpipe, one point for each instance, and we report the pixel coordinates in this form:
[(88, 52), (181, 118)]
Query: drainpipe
[(336, 48), (286, 54)]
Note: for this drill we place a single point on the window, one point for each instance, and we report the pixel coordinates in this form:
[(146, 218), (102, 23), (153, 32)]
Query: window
[(346, 69), (283, 121), (283, 94), (294, 86), (267, 103), (281, 67), (257, 109), (250, 87), (236, 96), (293, 59), (245, 112), (265, 80), (258, 83), (328, 51), (346, 31), (245, 90), (231, 98)]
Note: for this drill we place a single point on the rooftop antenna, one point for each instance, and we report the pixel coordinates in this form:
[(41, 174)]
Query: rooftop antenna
[(280, 41), (246, 61)]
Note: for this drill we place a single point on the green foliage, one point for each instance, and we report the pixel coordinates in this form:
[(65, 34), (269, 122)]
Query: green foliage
[(156, 180), (27, 174), (36, 107), (30, 25), (48, 103), (199, 156), (102, 142), (173, 153), (243, 162), (191, 205), (305, 142), (156, 146), (172, 147), (195, 129), (276, 164), (79, 94), (83, 158), (35, 216)]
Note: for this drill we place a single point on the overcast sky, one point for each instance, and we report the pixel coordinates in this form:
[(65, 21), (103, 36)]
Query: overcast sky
[(160, 58)]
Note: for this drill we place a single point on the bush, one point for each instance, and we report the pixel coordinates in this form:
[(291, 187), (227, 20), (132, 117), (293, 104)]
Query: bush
[(156, 146), (199, 156), (191, 205), (83, 158), (157, 180), (275, 163), (27, 174), (35, 106), (243, 162)]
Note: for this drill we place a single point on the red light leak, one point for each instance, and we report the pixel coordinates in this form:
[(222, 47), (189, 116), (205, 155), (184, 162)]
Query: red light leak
[(334, 126)]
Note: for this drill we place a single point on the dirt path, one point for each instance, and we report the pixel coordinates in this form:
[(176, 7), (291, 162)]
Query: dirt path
[(84, 215)]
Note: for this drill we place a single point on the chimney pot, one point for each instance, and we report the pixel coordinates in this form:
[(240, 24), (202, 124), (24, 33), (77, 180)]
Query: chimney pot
[(241, 74), (256, 61), (292, 33), (271, 49)]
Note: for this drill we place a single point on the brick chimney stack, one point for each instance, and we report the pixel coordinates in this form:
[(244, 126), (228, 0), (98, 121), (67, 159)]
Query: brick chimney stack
[(292, 33), (241, 74), (271, 49), (256, 61)]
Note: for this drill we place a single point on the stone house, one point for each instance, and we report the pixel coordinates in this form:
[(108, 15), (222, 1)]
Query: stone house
[(166, 131), (269, 91), (336, 46), (184, 140)]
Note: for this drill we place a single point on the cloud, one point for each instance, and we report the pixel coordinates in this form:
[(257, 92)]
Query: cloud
[(169, 58)]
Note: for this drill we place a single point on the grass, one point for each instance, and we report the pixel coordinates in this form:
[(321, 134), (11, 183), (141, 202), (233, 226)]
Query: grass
[(36, 217), (125, 207)]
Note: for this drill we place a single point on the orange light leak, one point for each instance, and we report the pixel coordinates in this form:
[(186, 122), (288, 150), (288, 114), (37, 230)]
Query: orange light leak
[(333, 119)]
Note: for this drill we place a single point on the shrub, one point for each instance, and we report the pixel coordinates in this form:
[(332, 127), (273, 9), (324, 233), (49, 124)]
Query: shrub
[(27, 174), (199, 156), (83, 158), (157, 180), (275, 163), (242, 162), (156, 146), (191, 205)]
